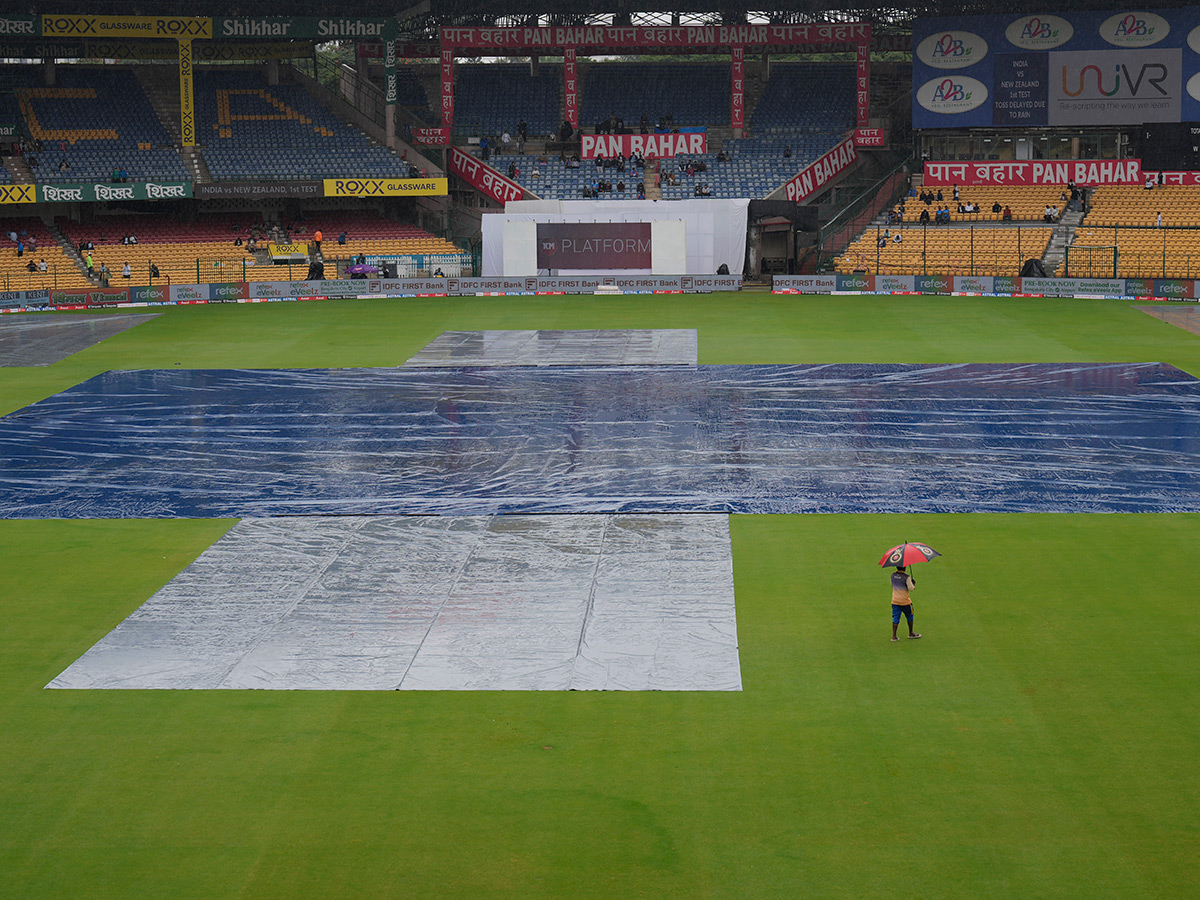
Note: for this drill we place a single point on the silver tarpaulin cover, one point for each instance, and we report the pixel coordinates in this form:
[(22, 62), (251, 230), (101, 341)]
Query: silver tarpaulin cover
[(626, 347), (42, 340), (566, 602)]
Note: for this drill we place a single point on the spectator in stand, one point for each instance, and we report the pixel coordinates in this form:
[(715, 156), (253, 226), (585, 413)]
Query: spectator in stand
[(20, 249), (484, 149), (506, 139), (956, 192), (1007, 216), (897, 238), (153, 271), (32, 266), (1149, 182), (42, 264), (342, 239), (116, 175), (996, 207), (90, 267), (126, 272), (63, 165), (787, 151), (939, 196), (620, 187), (317, 239), (924, 219), (105, 275), (237, 241), (124, 175), (1158, 221)]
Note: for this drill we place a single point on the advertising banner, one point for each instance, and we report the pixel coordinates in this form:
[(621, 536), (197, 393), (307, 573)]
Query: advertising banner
[(661, 146), (593, 245), (1086, 173), (178, 28), (288, 252), (18, 193), (737, 87), (1079, 68), (895, 284), (483, 177), (229, 292), (431, 137), (255, 189), (862, 95), (189, 293), (159, 293), (869, 137), (324, 28), (202, 51), (974, 284), (570, 87), (187, 109), (447, 81), (711, 37), (385, 187), (855, 284), (803, 284), (101, 191), (816, 176), (96, 297), (390, 75), (17, 26)]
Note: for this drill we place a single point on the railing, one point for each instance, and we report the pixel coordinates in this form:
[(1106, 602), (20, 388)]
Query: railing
[(34, 281), (923, 250), (244, 268), (1141, 252), (856, 215)]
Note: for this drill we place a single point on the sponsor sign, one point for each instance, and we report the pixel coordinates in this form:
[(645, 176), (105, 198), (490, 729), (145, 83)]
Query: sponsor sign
[(649, 145), (101, 191), (259, 189), (895, 284), (151, 294), (933, 284), (870, 137), (431, 137), (972, 284), (1006, 284), (594, 245), (570, 87), (446, 78), (599, 37), (17, 193), (952, 49), (1175, 288), (179, 28), (99, 297), (287, 252), (820, 173), (9, 130), (737, 87), (1115, 86), (862, 96), (803, 284), (385, 187), (230, 292), (391, 77), (1085, 67), (325, 28), (483, 177), (187, 110), (1082, 172), (189, 293), (855, 283), (17, 25)]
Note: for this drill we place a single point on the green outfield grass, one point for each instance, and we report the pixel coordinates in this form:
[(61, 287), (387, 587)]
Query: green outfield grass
[(1039, 742)]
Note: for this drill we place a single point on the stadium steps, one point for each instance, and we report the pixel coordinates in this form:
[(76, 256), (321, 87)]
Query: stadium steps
[(160, 84), (193, 158), (1064, 233), (71, 251), (18, 169)]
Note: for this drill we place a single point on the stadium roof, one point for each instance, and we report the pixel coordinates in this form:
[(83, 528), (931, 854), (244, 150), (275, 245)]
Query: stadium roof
[(423, 18)]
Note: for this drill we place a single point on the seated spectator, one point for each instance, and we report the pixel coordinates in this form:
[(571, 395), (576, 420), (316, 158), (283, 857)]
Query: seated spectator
[(620, 187), (897, 238), (438, 273), (1007, 216), (341, 239), (641, 187), (116, 175), (126, 271), (63, 166), (237, 242), (787, 151), (32, 266), (996, 207), (124, 175), (924, 219)]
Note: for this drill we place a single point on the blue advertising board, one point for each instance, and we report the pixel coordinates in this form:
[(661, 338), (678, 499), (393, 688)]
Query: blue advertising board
[(1080, 68)]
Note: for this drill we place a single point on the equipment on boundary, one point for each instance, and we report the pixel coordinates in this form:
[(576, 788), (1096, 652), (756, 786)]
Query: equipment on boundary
[(1084, 261)]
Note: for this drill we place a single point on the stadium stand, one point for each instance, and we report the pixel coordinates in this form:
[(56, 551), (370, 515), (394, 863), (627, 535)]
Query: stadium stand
[(251, 130), (983, 250), (1027, 202), (688, 93), (61, 270), (93, 122), (492, 99)]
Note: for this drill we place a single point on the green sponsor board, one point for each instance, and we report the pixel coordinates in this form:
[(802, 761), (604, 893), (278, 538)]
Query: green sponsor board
[(9, 130), (100, 192), (18, 26), (323, 28)]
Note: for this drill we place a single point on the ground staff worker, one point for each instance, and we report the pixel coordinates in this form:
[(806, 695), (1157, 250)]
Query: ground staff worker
[(902, 583)]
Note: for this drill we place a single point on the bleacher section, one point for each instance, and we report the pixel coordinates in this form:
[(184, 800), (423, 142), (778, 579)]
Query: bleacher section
[(982, 250), (1027, 202), (203, 251), (1126, 216), (690, 93), (250, 130), (61, 270), (492, 99), (96, 120), (806, 97)]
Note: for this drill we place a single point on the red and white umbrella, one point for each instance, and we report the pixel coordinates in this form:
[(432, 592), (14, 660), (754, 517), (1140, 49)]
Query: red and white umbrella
[(908, 553)]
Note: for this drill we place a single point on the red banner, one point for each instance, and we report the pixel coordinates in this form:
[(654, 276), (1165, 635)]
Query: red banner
[(593, 245), (708, 37), (821, 172), (737, 88), (869, 137), (570, 87), (447, 78), (863, 95), (1078, 171), (431, 137), (483, 177), (658, 146)]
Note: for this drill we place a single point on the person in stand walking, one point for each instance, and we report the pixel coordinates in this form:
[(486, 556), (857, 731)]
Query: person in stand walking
[(902, 583)]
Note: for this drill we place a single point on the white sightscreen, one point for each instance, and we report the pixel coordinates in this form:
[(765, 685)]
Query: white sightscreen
[(715, 229)]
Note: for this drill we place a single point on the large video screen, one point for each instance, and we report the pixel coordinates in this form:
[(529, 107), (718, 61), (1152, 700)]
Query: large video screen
[(1077, 68)]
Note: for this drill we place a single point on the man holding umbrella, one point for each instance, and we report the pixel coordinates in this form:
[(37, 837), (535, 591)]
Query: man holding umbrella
[(902, 556)]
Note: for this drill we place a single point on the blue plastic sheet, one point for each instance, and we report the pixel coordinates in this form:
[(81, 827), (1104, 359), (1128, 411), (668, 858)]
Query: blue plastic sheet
[(750, 439)]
